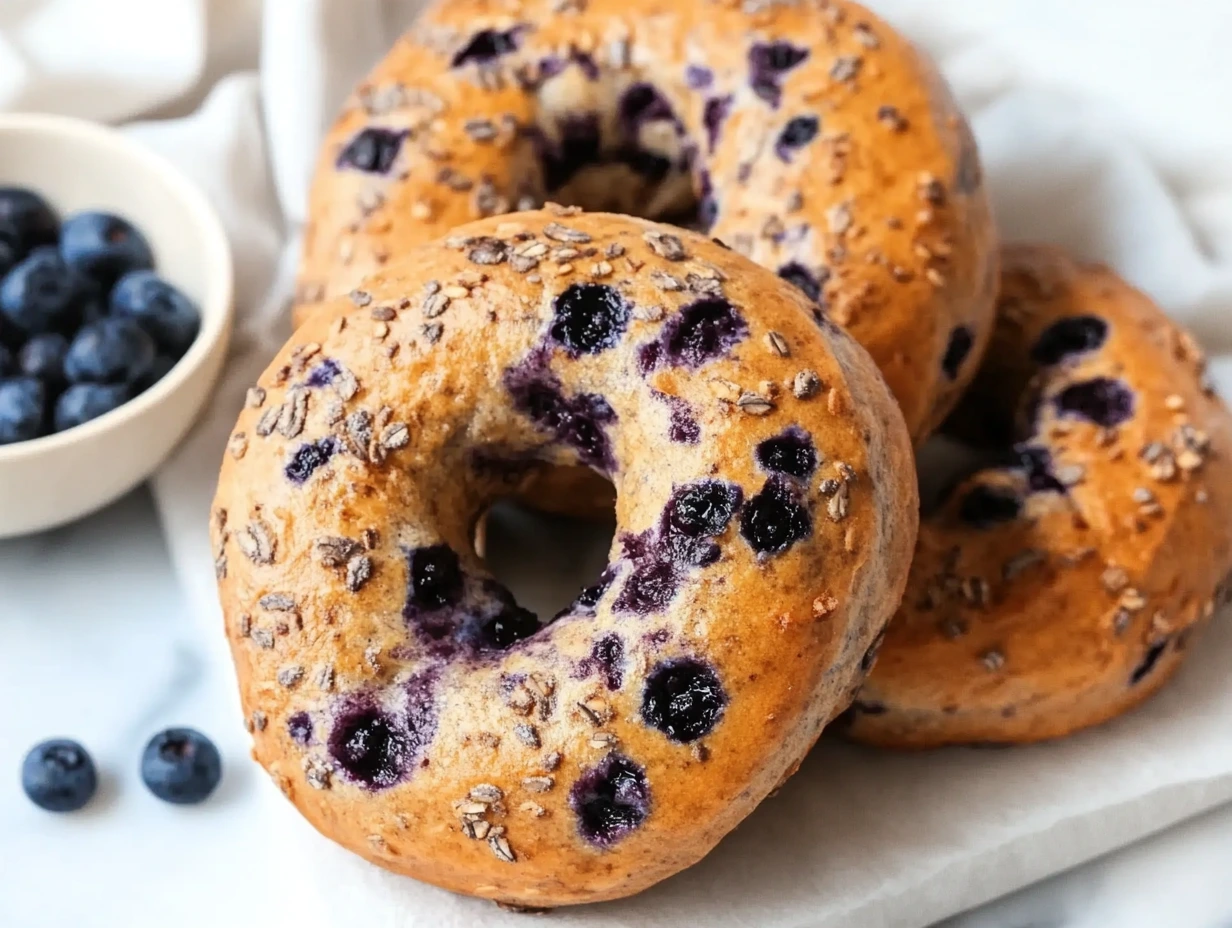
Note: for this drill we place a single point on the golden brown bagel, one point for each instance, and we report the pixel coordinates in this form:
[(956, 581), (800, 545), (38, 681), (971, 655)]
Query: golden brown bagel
[(766, 510), (807, 135), (1062, 589)]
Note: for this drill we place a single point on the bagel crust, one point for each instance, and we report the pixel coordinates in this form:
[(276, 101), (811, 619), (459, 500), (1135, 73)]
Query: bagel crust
[(807, 135), (1063, 588), (766, 511)]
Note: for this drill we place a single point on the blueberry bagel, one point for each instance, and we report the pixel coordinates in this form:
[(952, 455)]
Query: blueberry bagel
[(807, 135), (1061, 586), (766, 509)]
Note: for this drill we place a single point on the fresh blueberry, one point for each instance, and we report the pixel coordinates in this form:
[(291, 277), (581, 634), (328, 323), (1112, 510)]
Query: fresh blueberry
[(103, 247), (83, 402), (110, 351), (59, 776), (41, 294), (181, 766), (43, 357), (370, 746), (683, 699), (590, 318), (774, 520), (31, 218), (1074, 335), (23, 409), (610, 800), (170, 317), (372, 151)]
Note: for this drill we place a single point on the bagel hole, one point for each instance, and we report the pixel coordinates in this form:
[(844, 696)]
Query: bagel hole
[(942, 463), (546, 558)]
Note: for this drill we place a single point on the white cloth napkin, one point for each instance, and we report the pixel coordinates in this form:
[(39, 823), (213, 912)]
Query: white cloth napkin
[(1104, 128)]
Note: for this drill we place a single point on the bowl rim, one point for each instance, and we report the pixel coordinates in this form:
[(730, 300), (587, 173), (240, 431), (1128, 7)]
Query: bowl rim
[(217, 303)]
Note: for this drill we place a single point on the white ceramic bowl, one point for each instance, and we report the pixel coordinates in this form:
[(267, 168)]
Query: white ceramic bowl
[(81, 165)]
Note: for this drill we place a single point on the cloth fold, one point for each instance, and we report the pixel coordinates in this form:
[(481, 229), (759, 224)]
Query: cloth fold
[(1102, 130)]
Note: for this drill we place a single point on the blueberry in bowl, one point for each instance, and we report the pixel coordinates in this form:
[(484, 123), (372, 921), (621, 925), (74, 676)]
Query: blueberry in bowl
[(97, 387)]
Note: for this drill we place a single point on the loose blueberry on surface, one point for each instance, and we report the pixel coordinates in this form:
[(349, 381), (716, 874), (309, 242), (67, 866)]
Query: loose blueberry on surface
[(103, 247), (23, 409), (41, 294), (702, 331), (110, 351), (802, 279), (181, 766), (1068, 337), (59, 776), (43, 357), (486, 46), (170, 317), (984, 507), (436, 578), (30, 217), (309, 458), (767, 63), (590, 318), (299, 727), (372, 150), (956, 352), (683, 699), (714, 114), (774, 520), (791, 453), (83, 402), (1149, 662), (648, 590), (1102, 400), (369, 746), (796, 134), (610, 800)]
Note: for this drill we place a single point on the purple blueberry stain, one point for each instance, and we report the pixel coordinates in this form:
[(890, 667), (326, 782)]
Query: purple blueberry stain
[(373, 150), (684, 699), (698, 512), (768, 62), (774, 519), (487, 45), (714, 114), (1036, 463), (369, 746), (1068, 337), (587, 602), (707, 204), (682, 426), (984, 507), (324, 374), (649, 589), (791, 453), (957, 350), (590, 318), (610, 800), (701, 332), (309, 458), (299, 727), (802, 279), (579, 422), (1101, 400), (698, 77), (798, 132), (607, 658)]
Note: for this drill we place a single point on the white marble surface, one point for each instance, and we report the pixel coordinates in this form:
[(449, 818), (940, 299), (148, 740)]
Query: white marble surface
[(96, 643)]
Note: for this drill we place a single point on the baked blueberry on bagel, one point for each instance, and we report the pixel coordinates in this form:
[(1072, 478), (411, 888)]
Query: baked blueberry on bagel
[(1063, 585), (402, 699), (806, 135)]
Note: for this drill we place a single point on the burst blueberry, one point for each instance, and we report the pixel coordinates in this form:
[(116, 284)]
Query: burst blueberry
[(309, 458), (103, 247), (23, 409), (110, 351), (1068, 337), (84, 402), (702, 509), (372, 150), (798, 132), (957, 350), (166, 314), (181, 766), (299, 727), (702, 331), (370, 747), (610, 800), (649, 589), (486, 46), (768, 62), (791, 452), (683, 699), (1149, 662), (590, 318), (59, 776), (608, 655), (436, 578), (802, 279), (511, 625), (774, 520), (1102, 401)]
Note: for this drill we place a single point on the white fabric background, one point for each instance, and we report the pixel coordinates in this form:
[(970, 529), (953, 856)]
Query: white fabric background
[(1104, 127)]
